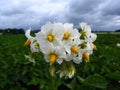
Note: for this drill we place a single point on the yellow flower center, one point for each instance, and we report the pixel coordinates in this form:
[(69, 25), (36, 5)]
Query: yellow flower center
[(66, 36), (86, 56), (74, 49), (53, 57), (50, 37), (28, 42)]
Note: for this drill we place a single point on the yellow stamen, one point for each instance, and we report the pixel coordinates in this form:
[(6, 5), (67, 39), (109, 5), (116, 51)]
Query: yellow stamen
[(53, 58), (94, 47), (86, 56), (74, 49), (50, 37), (28, 42), (66, 36)]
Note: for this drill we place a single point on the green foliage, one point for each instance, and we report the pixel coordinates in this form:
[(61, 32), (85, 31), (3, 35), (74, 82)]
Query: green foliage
[(96, 80), (114, 76), (17, 73)]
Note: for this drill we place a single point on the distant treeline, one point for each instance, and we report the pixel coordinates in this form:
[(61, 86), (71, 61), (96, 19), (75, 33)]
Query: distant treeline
[(12, 31), (22, 31), (118, 30), (15, 31)]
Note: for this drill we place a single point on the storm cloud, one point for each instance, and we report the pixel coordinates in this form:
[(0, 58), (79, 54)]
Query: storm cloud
[(100, 14)]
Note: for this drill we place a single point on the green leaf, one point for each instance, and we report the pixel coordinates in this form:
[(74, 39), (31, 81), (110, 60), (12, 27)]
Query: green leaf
[(17, 88), (96, 81), (72, 84), (33, 81), (114, 75), (81, 79), (83, 87)]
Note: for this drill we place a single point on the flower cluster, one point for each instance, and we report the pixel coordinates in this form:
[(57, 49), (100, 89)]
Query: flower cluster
[(62, 44)]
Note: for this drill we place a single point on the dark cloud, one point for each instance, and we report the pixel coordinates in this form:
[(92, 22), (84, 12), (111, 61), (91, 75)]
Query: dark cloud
[(12, 12), (112, 8), (83, 6), (99, 14)]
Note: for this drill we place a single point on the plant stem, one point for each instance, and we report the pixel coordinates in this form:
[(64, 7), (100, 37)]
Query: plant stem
[(54, 87)]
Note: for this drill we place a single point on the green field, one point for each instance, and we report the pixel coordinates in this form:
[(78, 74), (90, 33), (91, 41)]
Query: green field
[(17, 73)]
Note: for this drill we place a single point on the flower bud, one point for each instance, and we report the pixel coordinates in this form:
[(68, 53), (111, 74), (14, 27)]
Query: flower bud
[(86, 56), (94, 47), (52, 70), (27, 43)]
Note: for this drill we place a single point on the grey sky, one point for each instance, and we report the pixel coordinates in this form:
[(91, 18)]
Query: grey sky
[(100, 14)]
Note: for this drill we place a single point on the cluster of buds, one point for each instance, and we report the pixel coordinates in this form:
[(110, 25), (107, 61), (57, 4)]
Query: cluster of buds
[(62, 44)]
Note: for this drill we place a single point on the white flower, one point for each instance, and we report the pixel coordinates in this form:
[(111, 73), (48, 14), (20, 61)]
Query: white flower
[(73, 51), (50, 33), (53, 54), (86, 47), (27, 34), (93, 37), (86, 32), (34, 46), (86, 29), (70, 33)]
